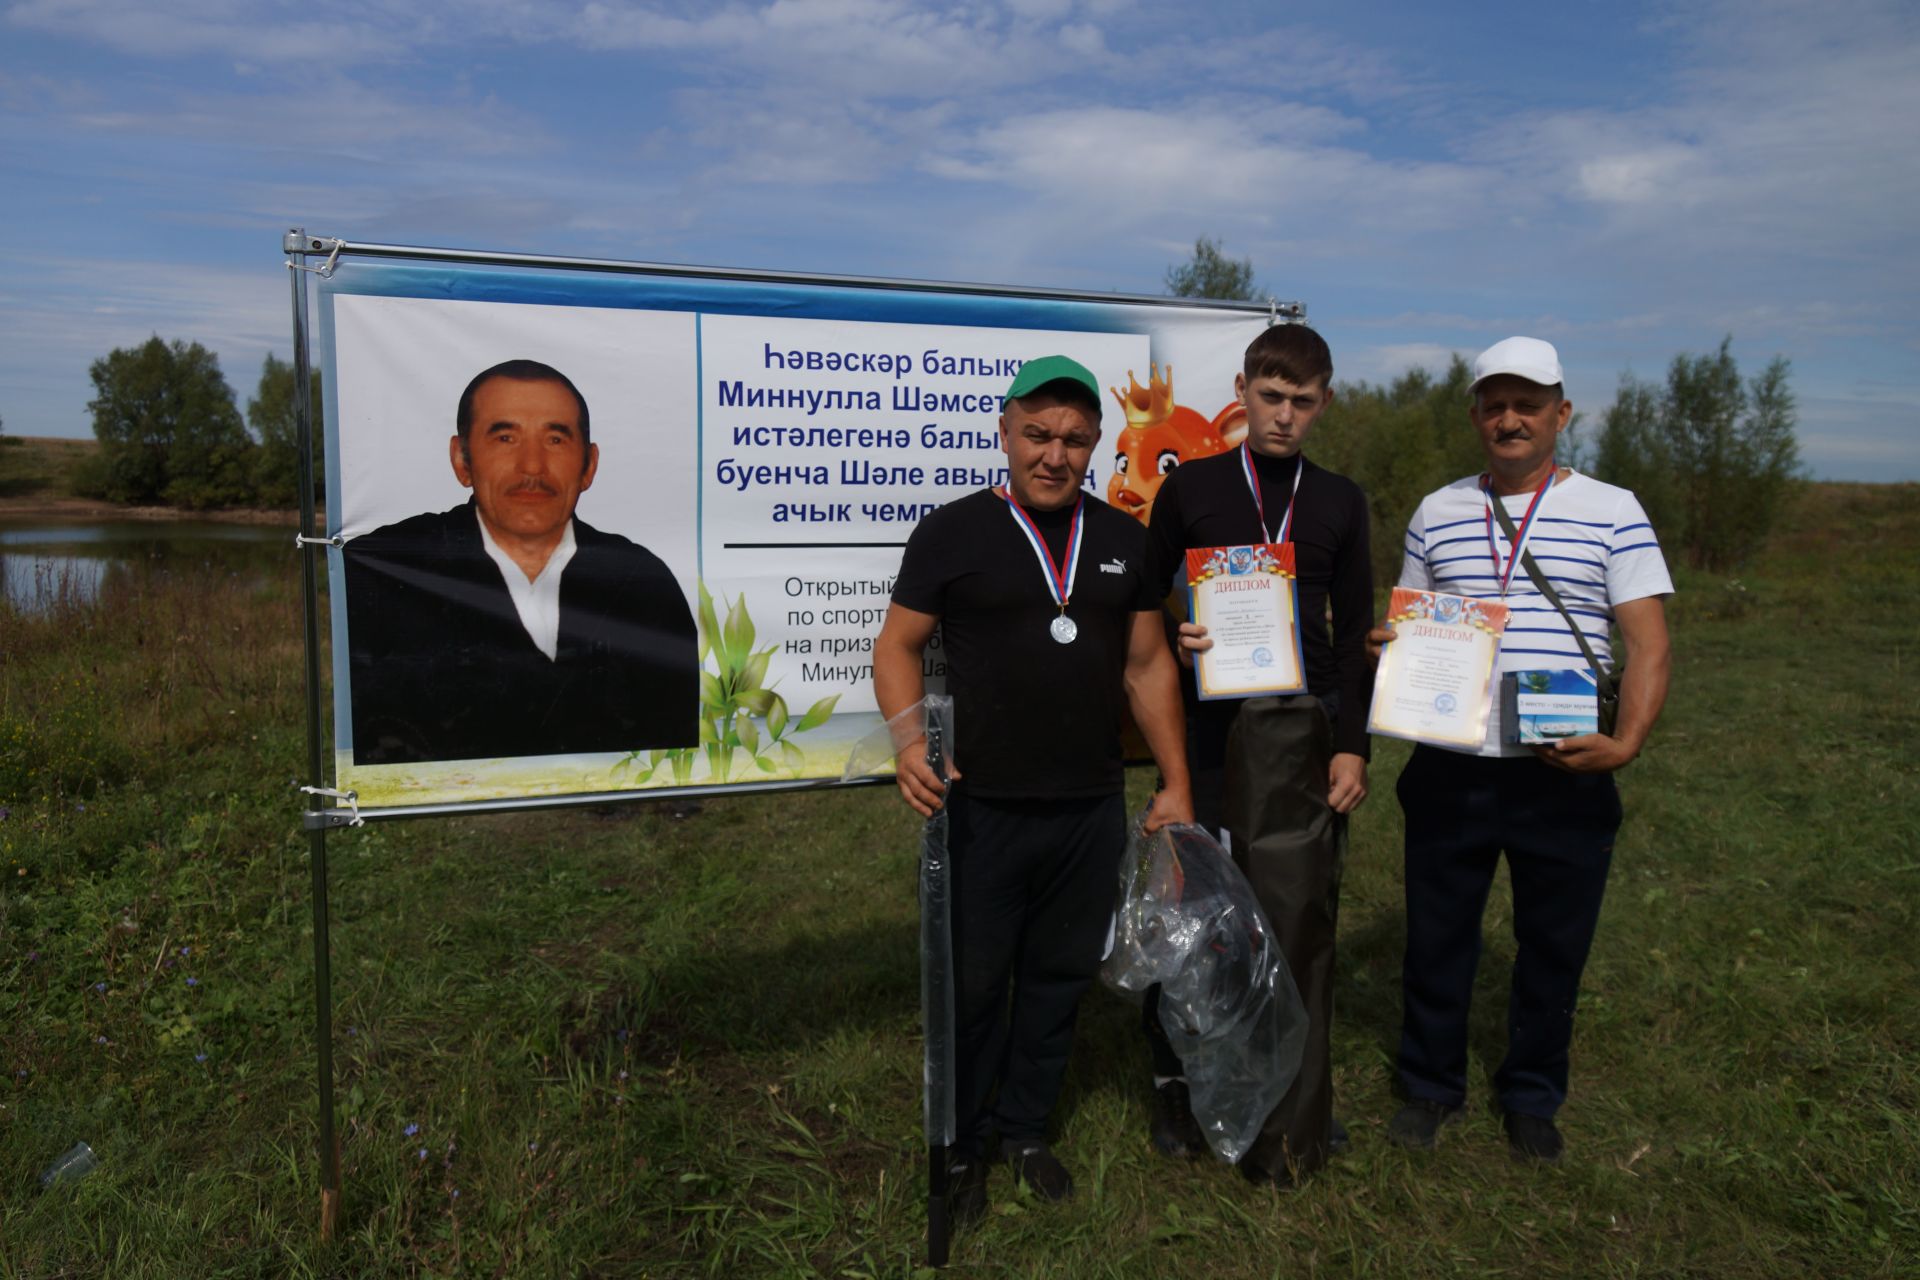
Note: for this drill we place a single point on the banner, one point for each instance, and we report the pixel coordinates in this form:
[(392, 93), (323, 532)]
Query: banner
[(606, 531)]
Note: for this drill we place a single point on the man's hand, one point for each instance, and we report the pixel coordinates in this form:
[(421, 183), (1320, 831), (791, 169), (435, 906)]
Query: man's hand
[(919, 784), (1169, 806), (1587, 753), (1377, 639), (1193, 639), (1346, 782)]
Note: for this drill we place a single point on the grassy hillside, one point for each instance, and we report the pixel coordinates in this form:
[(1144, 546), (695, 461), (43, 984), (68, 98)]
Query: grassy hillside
[(621, 1044), (40, 466)]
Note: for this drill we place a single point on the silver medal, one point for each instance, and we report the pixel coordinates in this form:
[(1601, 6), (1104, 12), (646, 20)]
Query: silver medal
[(1063, 629)]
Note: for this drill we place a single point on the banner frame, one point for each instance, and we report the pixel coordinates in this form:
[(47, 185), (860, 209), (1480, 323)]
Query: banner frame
[(326, 811)]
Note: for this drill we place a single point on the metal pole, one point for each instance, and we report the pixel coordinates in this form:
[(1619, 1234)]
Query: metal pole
[(936, 1007), (296, 246)]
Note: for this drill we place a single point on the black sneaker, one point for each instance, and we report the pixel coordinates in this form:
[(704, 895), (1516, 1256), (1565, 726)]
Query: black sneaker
[(1338, 1144), (1534, 1139), (1417, 1125), (966, 1191), (1175, 1132), (1034, 1165)]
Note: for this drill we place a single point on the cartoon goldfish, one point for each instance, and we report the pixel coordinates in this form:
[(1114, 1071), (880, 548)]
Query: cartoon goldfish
[(1159, 436)]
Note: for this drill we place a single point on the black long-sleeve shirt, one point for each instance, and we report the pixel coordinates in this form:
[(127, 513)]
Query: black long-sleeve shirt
[(1206, 504)]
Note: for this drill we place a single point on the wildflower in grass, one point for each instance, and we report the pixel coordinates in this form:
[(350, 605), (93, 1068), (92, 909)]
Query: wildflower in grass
[(186, 951), (423, 1153), (531, 1146), (32, 956), (411, 1129), (101, 987), (623, 1075), (193, 982), (199, 1057), (622, 1034), (101, 1040), (456, 1193)]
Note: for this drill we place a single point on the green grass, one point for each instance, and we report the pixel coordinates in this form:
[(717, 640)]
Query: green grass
[(40, 466), (637, 1045)]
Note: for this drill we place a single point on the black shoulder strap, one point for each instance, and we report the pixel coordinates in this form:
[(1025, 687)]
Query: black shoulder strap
[(1603, 678)]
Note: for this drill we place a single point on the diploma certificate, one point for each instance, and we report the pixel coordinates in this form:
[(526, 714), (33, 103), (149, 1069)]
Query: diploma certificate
[(1435, 682), (1248, 600)]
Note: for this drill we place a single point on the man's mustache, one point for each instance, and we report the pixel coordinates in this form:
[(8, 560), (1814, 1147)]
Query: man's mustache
[(534, 484)]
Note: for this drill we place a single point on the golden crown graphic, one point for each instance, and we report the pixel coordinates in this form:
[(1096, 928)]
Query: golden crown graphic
[(1146, 405)]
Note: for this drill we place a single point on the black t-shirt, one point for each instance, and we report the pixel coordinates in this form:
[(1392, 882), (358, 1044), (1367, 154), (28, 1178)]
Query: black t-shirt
[(1206, 504), (1032, 718)]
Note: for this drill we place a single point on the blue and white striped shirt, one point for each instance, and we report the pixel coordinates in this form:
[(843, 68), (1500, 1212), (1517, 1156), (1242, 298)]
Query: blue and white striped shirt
[(1592, 541)]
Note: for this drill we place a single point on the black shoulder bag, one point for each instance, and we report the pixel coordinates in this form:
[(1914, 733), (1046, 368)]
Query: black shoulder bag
[(1606, 683)]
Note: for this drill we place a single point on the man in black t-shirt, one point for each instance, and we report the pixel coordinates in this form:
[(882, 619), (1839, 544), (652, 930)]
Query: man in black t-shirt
[(1278, 776), (1049, 617)]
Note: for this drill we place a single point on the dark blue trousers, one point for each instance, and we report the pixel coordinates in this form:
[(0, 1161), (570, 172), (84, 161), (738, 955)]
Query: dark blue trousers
[(1034, 883), (1556, 830)]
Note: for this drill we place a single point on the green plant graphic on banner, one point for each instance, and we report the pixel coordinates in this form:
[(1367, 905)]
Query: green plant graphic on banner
[(739, 712)]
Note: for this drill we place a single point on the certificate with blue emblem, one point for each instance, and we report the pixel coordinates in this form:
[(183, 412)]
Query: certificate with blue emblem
[(1247, 599), (1435, 682)]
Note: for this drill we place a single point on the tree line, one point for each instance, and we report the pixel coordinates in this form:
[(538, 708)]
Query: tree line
[(171, 431), (1711, 455)]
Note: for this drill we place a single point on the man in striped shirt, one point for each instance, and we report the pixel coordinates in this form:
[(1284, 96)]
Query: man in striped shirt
[(1552, 810)]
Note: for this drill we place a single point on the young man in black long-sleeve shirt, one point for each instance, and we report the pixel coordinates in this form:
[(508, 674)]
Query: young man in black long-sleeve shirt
[(1278, 776)]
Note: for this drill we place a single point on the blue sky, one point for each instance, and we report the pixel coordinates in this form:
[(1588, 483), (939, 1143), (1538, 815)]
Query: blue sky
[(1627, 180)]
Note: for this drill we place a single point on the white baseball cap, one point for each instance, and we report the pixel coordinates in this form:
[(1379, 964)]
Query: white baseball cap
[(1528, 358)]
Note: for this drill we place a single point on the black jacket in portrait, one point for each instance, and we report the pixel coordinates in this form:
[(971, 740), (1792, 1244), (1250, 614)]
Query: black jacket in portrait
[(442, 668)]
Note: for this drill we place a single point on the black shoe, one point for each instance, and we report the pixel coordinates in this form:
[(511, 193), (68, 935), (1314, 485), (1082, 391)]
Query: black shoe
[(1175, 1132), (1261, 1176), (1034, 1165), (966, 1191), (1417, 1125), (1534, 1139), (1337, 1141)]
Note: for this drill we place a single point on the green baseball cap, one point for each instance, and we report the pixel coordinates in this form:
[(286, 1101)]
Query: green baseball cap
[(1035, 374)]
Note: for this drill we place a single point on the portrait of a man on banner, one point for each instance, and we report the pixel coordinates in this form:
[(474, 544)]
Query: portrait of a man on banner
[(507, 626)]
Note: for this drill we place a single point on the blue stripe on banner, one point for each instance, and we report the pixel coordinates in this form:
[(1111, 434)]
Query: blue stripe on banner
[(1638, 546), (1629, 528)]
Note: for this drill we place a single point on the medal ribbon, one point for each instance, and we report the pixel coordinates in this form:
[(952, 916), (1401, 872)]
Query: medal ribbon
[(1253, 484), (1059, 582), (1526, 526)]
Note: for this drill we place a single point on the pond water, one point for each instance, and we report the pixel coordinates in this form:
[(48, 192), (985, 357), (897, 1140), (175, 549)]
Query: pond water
[(45, 561)]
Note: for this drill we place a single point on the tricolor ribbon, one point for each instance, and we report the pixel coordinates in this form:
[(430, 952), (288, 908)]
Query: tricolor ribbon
[(1059, 581), (1253, 485), (1526, 526)]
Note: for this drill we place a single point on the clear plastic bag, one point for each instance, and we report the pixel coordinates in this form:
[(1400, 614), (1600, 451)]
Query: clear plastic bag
[(1187, 919)]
